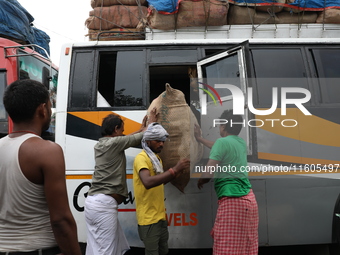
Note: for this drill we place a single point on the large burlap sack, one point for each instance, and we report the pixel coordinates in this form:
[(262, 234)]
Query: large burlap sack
[(116, 16), (115, 34), (329, 16), (177, 118), (239, 15), (101, 3), (191, 14)]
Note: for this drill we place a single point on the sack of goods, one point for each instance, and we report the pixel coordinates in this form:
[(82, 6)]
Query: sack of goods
[(177, 118)]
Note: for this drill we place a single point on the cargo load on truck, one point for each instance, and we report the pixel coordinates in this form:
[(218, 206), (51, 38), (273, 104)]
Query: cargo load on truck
[(16, 25), (128, 19)]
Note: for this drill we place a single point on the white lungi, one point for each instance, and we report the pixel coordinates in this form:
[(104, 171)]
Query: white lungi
[(104, 233)]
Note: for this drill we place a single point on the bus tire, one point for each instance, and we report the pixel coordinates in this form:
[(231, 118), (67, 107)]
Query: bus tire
[(335, 247)]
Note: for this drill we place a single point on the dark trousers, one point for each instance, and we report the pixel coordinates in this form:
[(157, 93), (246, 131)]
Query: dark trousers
[(155, 238)]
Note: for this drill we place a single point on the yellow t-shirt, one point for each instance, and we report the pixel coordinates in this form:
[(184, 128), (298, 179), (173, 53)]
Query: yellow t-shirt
[(150, 207)]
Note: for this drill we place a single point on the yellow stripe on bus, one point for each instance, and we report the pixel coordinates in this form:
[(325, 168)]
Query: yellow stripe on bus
[(310, 128), (87, 176), (263, 173), (295, 159), (96, 118)]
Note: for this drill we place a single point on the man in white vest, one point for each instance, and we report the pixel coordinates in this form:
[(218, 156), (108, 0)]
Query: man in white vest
[(35, 217)]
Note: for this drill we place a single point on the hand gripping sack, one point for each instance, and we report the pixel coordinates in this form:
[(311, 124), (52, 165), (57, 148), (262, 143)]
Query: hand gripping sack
[(177, 118)]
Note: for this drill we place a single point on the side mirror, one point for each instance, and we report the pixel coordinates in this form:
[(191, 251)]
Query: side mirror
[(46, 78)]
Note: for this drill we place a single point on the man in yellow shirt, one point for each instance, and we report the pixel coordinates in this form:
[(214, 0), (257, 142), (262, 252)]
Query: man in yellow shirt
[(148, 183)]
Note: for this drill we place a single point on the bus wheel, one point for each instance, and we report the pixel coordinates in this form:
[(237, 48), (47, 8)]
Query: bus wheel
[(334, 248)]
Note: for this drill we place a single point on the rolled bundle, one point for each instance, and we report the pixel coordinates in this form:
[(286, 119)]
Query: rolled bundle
[(191, 14), (329, 16), (101, 3), (239, 15), (116, 16)]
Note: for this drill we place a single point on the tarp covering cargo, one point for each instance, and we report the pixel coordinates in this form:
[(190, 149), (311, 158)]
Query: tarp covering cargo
[(308, 5), (164, 6), (191, 14), (314, 5), (15, 22)]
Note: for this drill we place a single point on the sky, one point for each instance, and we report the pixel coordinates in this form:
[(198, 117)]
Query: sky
[(62, 20)]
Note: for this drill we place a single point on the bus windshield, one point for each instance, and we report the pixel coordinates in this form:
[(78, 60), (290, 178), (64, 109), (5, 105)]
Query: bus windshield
[(31, 67), (18, 62), (2, 88)]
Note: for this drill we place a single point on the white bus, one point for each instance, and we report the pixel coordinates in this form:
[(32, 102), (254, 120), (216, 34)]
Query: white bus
[(294, 158)]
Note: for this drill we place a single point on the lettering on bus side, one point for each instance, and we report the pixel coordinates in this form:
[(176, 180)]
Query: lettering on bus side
[(76, 196), (182, 219), (129, 200)]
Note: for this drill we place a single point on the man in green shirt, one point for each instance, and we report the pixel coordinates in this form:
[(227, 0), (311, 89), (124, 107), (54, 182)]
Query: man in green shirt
[(236, 225)]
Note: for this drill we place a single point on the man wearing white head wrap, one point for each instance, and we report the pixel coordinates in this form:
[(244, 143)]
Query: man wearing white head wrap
[(148, 183), (154, 132)]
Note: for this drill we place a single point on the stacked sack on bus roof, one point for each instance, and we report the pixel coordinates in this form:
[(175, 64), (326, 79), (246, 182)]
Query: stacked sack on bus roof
[(116, 19), (176, 117), (135, 15), (186, 13), (267, 13), (283, 11)]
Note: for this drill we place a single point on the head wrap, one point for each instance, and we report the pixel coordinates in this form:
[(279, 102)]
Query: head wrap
[(154, 132)]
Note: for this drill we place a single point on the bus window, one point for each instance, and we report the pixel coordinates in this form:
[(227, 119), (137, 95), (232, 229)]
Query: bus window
[(327, 66), (214, 51), (81, 81), (3, 119), (33, 68), (278, 68), (173, 56), (177, 76), (120, 81), (2, 90), (217, 72)]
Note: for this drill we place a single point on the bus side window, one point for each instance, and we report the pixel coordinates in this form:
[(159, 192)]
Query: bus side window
[(278, 67), (120, 81), (225, 68), (2, 91), (3, 120), (81, 81), (326, 63)]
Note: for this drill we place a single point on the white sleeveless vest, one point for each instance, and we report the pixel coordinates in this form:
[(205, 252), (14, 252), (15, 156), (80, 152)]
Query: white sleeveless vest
[(24, 216)]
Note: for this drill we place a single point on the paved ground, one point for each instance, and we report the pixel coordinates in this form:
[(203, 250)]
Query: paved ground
[(296, 250)]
